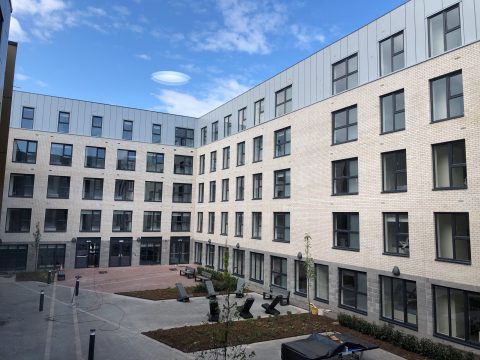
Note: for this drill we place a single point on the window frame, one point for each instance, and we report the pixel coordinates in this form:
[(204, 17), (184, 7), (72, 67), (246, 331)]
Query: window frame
[(210, 256), (56, 220), (129, 187), (201, 193), (444, 29), (316, 298), (286, 131), (257, 184), (63, 156), (257, 221), (127, 219), (95, 182), (347, 73), (355, 290), (242, 119), (200, 222), (227, 125), (404, 282), (93, 214), (203, 136), (130, 164), (225, 189), (201, 164), (286, 229), (347, 125), (259, 116), (391, 38), (282, 274), (197, 251), (394, 95), (224, 223), (186, 160), (181, 193), (28, 153), (451, 165), (213, 161), (239, 223), (214, 134), (157, 188), (257, 261), (159, 166), (347, 231), (94, 128), (286, 101), (240, 188), (25, 178), (24, 118), (23, 221), (257, 150), (285, 186), (188, 140), (241, 153), (59, 180), (238, 267), (212, 194), (397, 171), (97, 161), (154, 217), (156, 133), (397, 234), (453, 222), (127, 134), (211, 222), (186, 219), (345, 177), (62, 115), (448, 77), (226, 158)]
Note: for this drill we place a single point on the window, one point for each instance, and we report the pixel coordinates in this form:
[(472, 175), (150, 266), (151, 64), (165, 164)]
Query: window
[(21, 185), (227, 126), (257, 149), (122, 221), (345, 231), (61, 154), (156, 133), (450, 165), (215, 131), (353, 290), (184, 137), (198, 253), (392, 57), (345, 177), (18, 220), (51, 256), (241, 153), (398, 301), (200, 222), (92, 189), (239, 224), (27, 117), (278, 272), (56, 220), (396, 233), (283, 101), (127, 130), (24, 151), (213, 161), (201, 192), (90, 220), (257, 186), (221, 257), (300, 278), (63, 122), (224, 223), (94, 157), (256, 267), (345, 74), (150, 250), (446, 95), (226, 157), (281, 227), (394, 167), (259, 112), (97, 123), (211, 222), (126, 160), (453, 237), (393, 112), (182, 193), (344, 125), (456, 315), (240, 188), (210, 256), (225, 189), (213, 191), (152, 221), (444, 31), (153, 191), (281, 184), (155, 162), (242, 119), (238, 262), (203, 136), (58, 187), (256, 225), (321, 282), (183, 165), (180, 222), (124, 190), (282, 142), (201, 165)]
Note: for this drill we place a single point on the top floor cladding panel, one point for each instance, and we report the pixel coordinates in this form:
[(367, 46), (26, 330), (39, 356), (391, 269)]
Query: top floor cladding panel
[(412, 33)]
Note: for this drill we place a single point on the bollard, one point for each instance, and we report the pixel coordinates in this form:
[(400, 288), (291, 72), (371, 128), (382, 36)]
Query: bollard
[(49, 277), (91, 345), (77, 287), (42, 296)]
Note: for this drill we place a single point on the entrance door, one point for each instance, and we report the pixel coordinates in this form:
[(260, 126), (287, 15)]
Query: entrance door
[(151, 251), (179, 250), (13, 257), (120, 252), (87, 253)]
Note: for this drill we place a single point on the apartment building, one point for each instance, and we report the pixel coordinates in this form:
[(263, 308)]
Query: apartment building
[(365, 145)]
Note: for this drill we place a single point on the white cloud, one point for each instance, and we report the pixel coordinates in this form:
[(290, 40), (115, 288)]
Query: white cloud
[(16, 32), (122, 10), (41, 83), (96, 11), (306, 35), (21, 77), (143, 57), (170, 77)]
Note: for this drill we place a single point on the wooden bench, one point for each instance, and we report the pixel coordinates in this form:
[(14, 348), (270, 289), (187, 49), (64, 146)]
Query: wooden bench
[(274, 291), (203, 276), (189, 272)]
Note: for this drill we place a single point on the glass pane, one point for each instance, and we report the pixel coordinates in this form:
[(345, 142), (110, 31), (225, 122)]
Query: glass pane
[(453, 39), (339, 85), (387, 297), (362, 302), (461, 225), (458, 152), (444, 234), (353, 185), (341, 222), (352, 132), (340, 119), (439, 97), (441, 310), (352, 64), (321, 282), (288, 96), (411, 289), (462, 249), (457, 311), (474, 317), (456, 106), (385, 56), (339, 70), (390, 234), (456, 85), (459, 176), (280, 97), (453, 18), (340, 168), (353, 167), (340, 136), (398, 62), (387, 113), (389, 167), (398, 306), (354, 241), (398, 43), (352, 80), (442, 168), (436, 34), (400, 121), (352, 115)]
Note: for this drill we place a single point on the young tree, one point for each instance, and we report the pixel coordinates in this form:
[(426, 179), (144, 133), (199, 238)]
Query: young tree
[(37, 236), (309, 266)]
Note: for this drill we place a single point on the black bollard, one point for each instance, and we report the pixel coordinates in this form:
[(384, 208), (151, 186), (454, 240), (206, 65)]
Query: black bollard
[(42, 296), (91, 345), (49, 277), (77, 287)]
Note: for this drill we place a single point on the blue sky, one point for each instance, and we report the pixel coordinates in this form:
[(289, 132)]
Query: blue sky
[(180, 56)]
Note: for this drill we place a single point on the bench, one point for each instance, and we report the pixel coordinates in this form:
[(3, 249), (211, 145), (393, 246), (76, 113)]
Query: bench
[(274, 291), (189, 272), (60, 275), (203, 276)]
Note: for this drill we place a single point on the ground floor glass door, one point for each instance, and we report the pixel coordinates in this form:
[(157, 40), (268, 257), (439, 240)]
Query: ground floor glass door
[(87, 253), (150, 250), (13, 257), (179, 250), (120, 252)]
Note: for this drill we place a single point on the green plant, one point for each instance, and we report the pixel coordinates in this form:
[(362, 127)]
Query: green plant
[(309, 266), (37, 236)]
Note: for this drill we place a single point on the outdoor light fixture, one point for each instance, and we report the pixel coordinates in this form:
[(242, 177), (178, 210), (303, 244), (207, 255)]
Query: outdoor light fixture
[(139, 239), (238, 245), (396, 271), (209, 241), (299, 255), (74, 240)]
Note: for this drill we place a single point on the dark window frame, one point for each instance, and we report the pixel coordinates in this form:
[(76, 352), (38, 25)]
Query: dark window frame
[(355, 290), (213, 161), (241, 153), (240, 188), (62, 115), (257, 261), (257, 233), (397, 171), (284, 104), (156, 134), (201, 164), (326, 301), (126, 221), (92, 214), (257, 156), (286, 229), (157, 188), (210, 256), (282, 187), (130, 164), (224, 223), (239, 223), (261, 111), (203, 136), (348, 231), (282, 274), (242, 121), (96, 130), (451, 165), (184, 162), (58, 221), (23, 187), (226, 158), (214, 131), (283, 145), (186, 219), (395, 112), (347, 73), (197, 253), (182, 193), (95, 182), (65, 187), (212, 193), (453, 219), (126, 133), (347, 125), (391, 38), (128, 187), (187, 139), (344, 178), (28, 153), (225, 189), (26, 118), (227, 125), (97, 162), (404, 282), (201, 193), (398, 234), (257, 179), (23, 221), (238, 269), (64, 157), (158, 163), (154, 216), (448, 98), (199, 222), (445, 30)]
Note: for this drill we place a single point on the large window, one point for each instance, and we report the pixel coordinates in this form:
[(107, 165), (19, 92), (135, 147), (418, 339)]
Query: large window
[(27, 117), (450, 165), (258, 149), (198, 249), (58, 187), (225, 189), (226, 158), (453, 237), (182, 193), (155, 162), (256, 267), (394, 167), (282, 142), (345, 74), (153, 191), (393, 112), (18, 220), (278, 271), (213, 161), (399, 301), (345, 177), (97, 124), (283, 101), (241, 153), (184, 137), (51, 256), (353, 290), (56, 220), (127, 133), (215, 131), (90, 220), (444, 31), (122, 221), (457, 315), (224, 223), (242, 119), (211, 222), (150, 250), (259, 112), (21, 185), (201, 165), (227, 126), (156, 133), (183, 165), (94, 157), (281, 179), (24, 151), (63, 122), (344, 124), (281, 227), (447, 96), (201, 192), (395, 230), (238, 262), (124, 190), (213, 191), (200, 222), (92, 189), (300, 278), (203, 136), (345, 231), (321, 282), (239, 224), (256, 225), (126, 160), (240, 193), (257, 186), (180, 222), (221, 257), (210, 256), (392, 56), (61, 154), (152, 221)]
